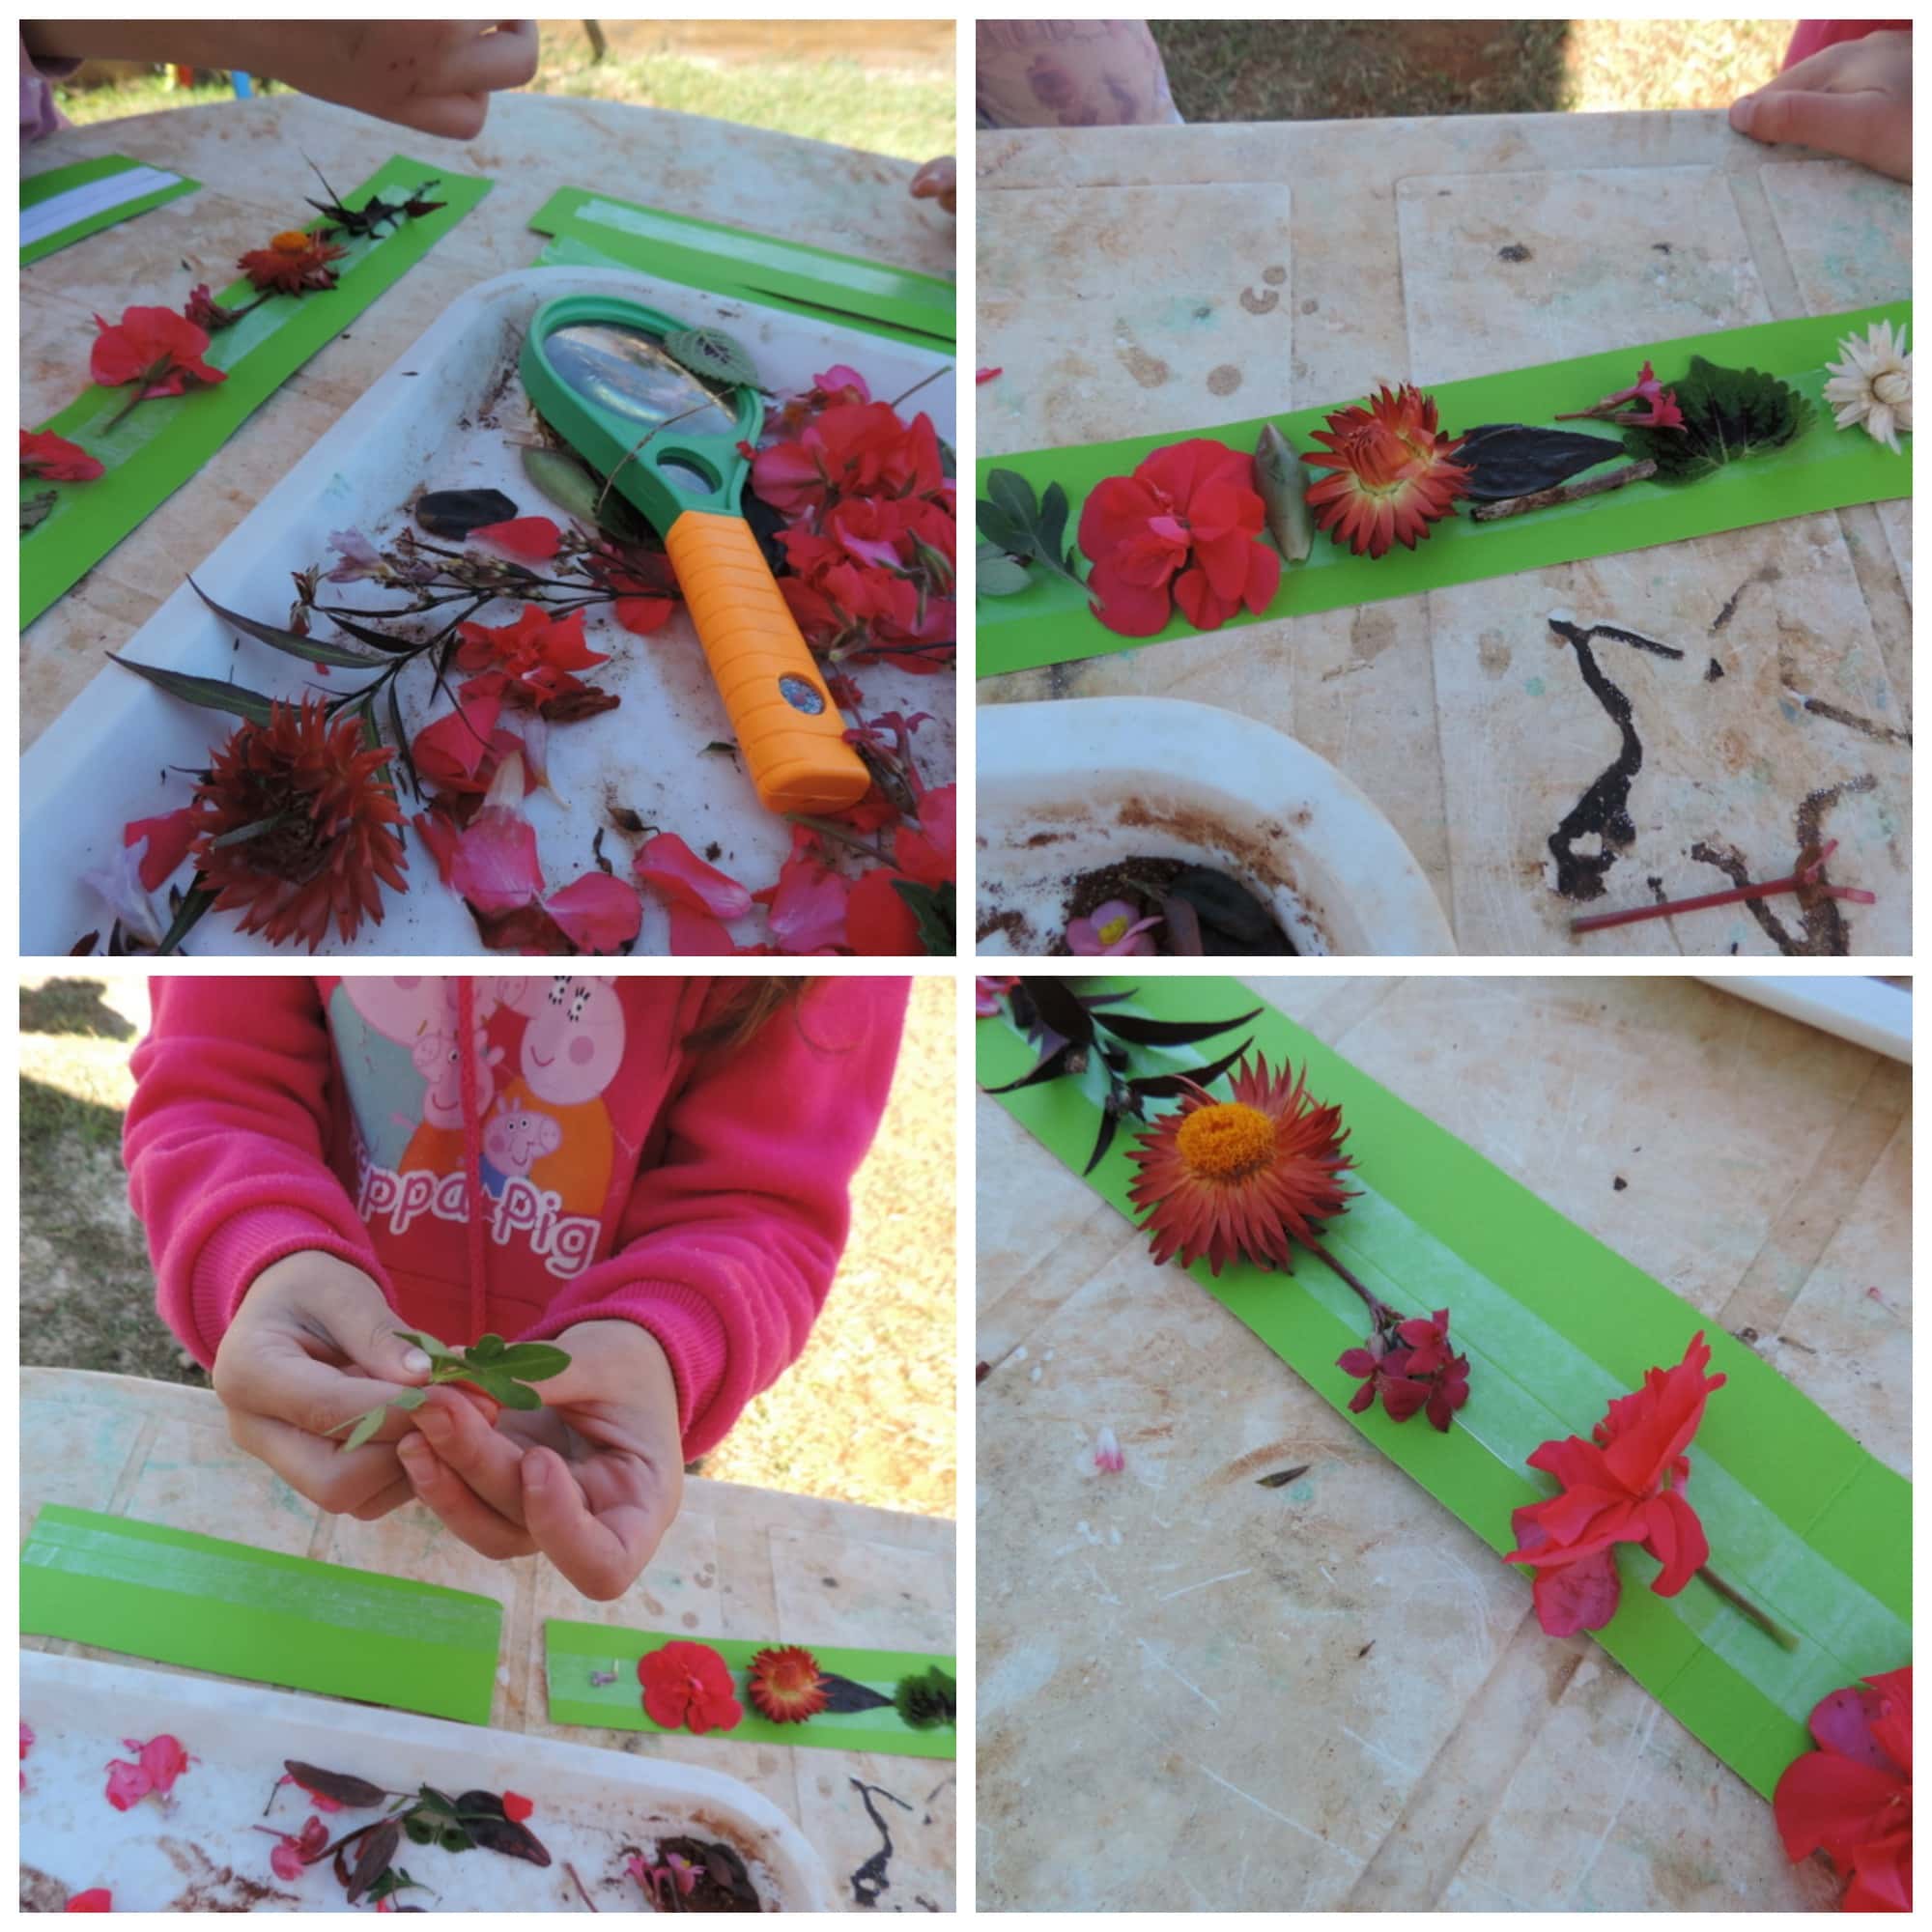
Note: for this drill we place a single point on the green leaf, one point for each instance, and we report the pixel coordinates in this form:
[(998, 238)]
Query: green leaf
[(367, 1424), (1000, 576), (933, 907), (576, 488), (410, 1399), (532, 1362), (1025, 527), (485, 1349), (512, 1394), (35, 510), (290, 641), (1013, 496), (1052, 518), (712, 355), (427, 1344), (1729, 415), (997, 528), (210, 692)]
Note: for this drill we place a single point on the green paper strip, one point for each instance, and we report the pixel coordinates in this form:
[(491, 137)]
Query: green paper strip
[(162, 445), (572, 1650), (1800, 1517), (174, 1597), (791, 275), (1826, 468), (36, 188)]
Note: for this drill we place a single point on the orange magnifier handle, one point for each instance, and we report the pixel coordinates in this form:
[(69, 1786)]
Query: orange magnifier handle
[(789, 729)]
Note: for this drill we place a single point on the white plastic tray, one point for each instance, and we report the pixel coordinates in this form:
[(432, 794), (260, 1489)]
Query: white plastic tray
[(447, 415), (204, 1855)]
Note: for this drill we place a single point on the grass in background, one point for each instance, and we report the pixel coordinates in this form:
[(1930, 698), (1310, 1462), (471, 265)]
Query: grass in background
[(1354, 70), (883, 86), (866, 1416)]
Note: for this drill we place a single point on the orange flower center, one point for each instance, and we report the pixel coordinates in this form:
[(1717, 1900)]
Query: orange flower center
[(292, 241), (1227, 1141)]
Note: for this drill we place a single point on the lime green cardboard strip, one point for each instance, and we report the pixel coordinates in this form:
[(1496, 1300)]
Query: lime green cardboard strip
[(174, 1596), (1555, 1322), (791, 275), (160, 444), (1826, 468), (572, 1652), (36, 188)]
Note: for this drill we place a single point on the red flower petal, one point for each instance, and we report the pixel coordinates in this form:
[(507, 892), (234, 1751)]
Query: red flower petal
[(598, 913), (878, 921), (807, 907), (51, 457), (516, 1807), (534, 539), (99, 1899), (697, 935), (642, 615), (929, 851), (450, 753), (670, 867), (496, 866), (168, 837)]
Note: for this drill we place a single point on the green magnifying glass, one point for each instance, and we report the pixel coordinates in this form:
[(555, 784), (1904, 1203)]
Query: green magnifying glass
[(600, 374)]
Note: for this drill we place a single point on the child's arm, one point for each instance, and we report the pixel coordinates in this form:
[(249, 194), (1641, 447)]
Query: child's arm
[(224, 1147), (727, 1246)]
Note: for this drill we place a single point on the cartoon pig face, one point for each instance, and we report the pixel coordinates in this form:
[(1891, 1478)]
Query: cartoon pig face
[(573, 1040), (398, 1009), (514, 1143), (436, 1059)]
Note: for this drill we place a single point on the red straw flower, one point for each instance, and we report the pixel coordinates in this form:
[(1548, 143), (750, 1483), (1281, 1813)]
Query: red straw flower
[(292, 263), (1393, 471), (1852, 1797), (1185, 528), (786, 1686), (321, 827)]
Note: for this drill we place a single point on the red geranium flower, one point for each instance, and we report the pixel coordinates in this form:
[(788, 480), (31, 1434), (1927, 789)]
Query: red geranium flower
[(855, 449), (295, 260), (44, 454), (326, 824), (1393, 471), (1413, 1368), (156, 347), (1624, 1485), (294, 1853), (786, 1686), (1241, 1179), (688, 1687), (1852, 1797), (1185, 530), (530, 662)]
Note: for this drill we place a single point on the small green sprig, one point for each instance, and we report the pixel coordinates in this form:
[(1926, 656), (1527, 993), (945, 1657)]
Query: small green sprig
[(1020, 529), (928, 1699), (500, 1369)]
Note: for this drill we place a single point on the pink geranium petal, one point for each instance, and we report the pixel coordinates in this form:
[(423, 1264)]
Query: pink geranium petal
[(598, 913)]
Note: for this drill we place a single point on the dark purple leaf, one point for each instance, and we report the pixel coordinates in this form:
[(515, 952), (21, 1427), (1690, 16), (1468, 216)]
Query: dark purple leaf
[(277, 638), (456, 513), (1170, 1033), (373, 1856), (1055, 1063), (1170, 1087), (358, 1792), (1060, 1009), (1513, 459), (482, 1817), (842, 1697)]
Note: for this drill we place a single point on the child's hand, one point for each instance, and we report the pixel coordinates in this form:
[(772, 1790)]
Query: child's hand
[(593, 1479), (938, 180), (1853, 100), (313, 1345)]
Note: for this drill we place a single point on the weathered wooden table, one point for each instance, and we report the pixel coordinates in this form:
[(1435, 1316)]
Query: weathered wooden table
[(738, 1563), (1135, 280), (1195, 1693), (252, 159)]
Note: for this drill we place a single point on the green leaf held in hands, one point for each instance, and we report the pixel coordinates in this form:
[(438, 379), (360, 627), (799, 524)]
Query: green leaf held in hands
[(501, 1369)]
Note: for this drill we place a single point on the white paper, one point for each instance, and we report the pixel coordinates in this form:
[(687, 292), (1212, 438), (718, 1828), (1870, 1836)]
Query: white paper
[(60, 212)]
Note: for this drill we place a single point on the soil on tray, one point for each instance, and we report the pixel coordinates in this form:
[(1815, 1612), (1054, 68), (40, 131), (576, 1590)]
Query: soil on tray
[(1233, 920), (723, 1885)]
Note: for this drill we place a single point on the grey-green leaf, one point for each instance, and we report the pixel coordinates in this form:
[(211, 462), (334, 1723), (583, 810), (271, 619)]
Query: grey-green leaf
[(1283, 480), (290, 641), (410, 1398), (367, 1424), (1000, 575), (531, 1361), (211, 694)]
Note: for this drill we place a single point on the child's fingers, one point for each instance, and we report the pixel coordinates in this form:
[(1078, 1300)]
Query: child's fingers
[(601, 1555), (277, 1379), (464, 1440), (454, 117), (461, 1510), (385, 1501), (1839, 123), (312, 1465), (483, 63)]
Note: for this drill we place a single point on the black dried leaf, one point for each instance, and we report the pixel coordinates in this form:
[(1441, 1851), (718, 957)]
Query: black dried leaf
[(627, 820), (456, 513), (1060, 1061), (1227, 909), (1281, 1478), (292, 641), (1171, 1086), (1170, 1033), (358, 1792), (1060, 1009), (1513, 459), (1109, 1122), (842, 1697), (211, 694), (481, 1813), (365, 633), (373, 1857)]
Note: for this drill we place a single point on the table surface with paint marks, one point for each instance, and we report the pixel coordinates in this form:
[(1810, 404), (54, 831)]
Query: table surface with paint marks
[(252, 159), (738, 1562), (1141, 281), (1196, 1692)]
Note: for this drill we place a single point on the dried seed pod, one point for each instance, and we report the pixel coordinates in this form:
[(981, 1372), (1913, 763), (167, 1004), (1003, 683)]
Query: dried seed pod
[(1283, 481)]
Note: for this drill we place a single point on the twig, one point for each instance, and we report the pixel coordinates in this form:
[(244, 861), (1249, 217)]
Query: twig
[(1563, 493), (1738, 1601), (1379, 1312), (922, 384), (589, 1903), (710, 402), (1811, 868)]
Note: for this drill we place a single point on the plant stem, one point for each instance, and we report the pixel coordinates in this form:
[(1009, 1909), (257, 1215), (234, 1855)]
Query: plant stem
[(1767, 889), (828, 830), (1563, 493), (1379, 1312), (1738, 1601)]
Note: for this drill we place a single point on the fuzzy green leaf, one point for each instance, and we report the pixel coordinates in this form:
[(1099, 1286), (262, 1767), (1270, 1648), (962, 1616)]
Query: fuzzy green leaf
[(1729, 415)]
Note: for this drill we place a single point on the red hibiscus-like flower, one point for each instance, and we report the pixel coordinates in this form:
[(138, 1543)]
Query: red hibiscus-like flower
[(1852, 1797), (294, 1853), (1394, 472), (530, 662), (321, 827), (786, 1686), (46, 455), (1412, 1368), (1185, 528), (156, 347), (688, 1687), (292, 263), (1624, 1485), (1241, 1179)]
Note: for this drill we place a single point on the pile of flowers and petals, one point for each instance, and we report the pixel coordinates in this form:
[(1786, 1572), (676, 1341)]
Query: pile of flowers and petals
[(1186, 527), (1626, 1485), (1244, 1178), (1872, 386), (531, 663), (688, 1687), (1394, 472), (1852, 1797), (870, 525), (1412, 1367)]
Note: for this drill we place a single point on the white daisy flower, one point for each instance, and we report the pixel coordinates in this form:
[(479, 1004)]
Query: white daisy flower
[(1873, 385)]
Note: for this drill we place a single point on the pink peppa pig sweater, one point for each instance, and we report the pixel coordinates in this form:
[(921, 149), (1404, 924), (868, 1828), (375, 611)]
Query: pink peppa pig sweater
[(516, 1154)]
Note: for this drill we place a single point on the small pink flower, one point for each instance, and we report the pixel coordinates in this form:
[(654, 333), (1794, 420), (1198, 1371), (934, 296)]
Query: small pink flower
[(1107, 1455), (162, 1761), (1111, 930), (989, 989), (1657, 405)]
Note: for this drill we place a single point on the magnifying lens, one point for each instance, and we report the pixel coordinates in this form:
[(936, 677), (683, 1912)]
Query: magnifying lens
[(599, 374)]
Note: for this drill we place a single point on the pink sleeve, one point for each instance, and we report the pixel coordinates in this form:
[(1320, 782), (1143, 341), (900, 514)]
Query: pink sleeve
[(224, 1146), (727, 1248)]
